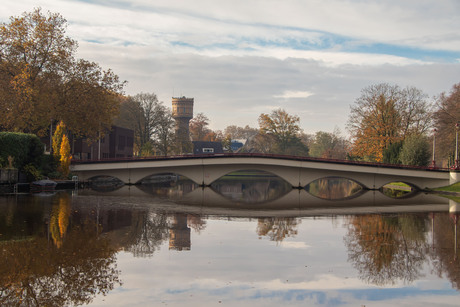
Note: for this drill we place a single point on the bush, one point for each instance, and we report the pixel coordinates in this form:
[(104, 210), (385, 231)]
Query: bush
[(24, 148), (391, 155), (415, 151), (31, 172), (49, 165)]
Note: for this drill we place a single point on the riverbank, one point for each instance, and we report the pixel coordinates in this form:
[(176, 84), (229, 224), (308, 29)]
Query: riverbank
[(8, 189), (451, 191)]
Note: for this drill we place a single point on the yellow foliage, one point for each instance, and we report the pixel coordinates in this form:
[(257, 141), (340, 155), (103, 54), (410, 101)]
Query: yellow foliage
[(57, 138), (65, 156)]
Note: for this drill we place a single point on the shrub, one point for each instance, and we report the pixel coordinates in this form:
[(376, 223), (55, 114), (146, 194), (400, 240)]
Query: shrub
[(24, 148), (415, 151)]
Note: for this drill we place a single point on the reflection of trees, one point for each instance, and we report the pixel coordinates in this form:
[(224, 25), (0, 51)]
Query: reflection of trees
[(59, 220), (36, 273), (196, 222), (445, 253), (167, 185), (149, 230), (251, 186), (384, 249), (276, 229), (333, 188)]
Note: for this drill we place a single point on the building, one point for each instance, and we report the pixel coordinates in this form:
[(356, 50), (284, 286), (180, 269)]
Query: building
[(204, 147), (236, 145), (182, 112), (118, 143)]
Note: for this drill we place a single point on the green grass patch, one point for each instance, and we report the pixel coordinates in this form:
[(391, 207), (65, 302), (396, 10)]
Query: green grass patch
[(450, 188), (398, 186)]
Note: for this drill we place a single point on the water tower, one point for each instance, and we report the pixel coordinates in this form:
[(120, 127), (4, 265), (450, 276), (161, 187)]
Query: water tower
[(182, 112)]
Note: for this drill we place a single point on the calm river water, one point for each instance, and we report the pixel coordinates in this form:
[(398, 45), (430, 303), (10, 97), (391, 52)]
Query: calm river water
[(244, 241)]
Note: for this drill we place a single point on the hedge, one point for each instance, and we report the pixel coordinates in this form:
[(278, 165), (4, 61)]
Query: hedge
[(24, 148)]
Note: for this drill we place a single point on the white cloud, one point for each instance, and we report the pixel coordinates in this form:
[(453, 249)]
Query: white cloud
[(294, 94)]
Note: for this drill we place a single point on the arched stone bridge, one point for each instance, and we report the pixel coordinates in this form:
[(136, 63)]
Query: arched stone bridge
[(298, 171)]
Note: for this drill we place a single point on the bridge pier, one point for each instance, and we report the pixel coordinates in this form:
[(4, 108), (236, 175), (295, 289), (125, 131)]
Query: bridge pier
[(454, 177)]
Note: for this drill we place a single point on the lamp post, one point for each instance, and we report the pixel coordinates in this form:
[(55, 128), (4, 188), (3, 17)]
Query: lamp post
[(433, 163)]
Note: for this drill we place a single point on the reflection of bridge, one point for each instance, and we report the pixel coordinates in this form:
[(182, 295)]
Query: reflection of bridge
[(294, 203), (298, 171)]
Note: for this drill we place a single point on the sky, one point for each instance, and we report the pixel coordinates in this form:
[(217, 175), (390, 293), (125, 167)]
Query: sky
[(241, 58)]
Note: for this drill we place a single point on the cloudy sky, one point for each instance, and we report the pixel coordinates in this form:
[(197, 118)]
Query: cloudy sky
[(241, 58)]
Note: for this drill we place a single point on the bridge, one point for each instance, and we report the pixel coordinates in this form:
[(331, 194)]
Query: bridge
[(297, 171)]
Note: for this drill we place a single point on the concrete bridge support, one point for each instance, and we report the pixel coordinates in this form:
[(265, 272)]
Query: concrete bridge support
[(454, 177)]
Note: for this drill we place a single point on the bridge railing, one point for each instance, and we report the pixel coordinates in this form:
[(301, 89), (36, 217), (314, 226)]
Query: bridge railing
[(258, 155)]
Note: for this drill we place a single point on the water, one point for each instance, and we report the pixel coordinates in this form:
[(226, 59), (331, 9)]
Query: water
[(248, 240)]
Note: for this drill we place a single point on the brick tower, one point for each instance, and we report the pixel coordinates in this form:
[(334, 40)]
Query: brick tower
[(182, 112)]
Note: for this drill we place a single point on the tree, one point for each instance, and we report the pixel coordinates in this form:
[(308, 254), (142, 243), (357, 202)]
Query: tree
[(391, 153), (34, 52), (151, 121), (164, 137), (446, 117), (236, 132), (57, 138), (284, 129), (415, 151), (328, 145), (416, 112), (199, 127), (88, 100), (65, 156), (41, 82), (386, 114)]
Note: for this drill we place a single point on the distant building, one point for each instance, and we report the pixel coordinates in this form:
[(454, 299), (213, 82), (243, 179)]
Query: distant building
[(236, 145), (118, 143), (179, 233), (182, 112), (204, 147)]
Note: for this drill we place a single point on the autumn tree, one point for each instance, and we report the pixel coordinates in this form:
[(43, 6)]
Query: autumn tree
[(283, 130), (446, 117), (41, 82), (199, 127), (65, 156), (57, 139), (88, 100), (385, 114)]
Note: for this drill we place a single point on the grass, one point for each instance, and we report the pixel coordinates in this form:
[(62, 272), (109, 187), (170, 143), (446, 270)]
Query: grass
[(450, 188)]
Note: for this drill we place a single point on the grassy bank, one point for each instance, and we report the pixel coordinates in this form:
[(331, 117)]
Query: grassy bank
[(450, 188)]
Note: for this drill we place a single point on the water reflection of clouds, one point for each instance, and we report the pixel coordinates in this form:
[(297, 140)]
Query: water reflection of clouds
[(328, 291), (228, 264)]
